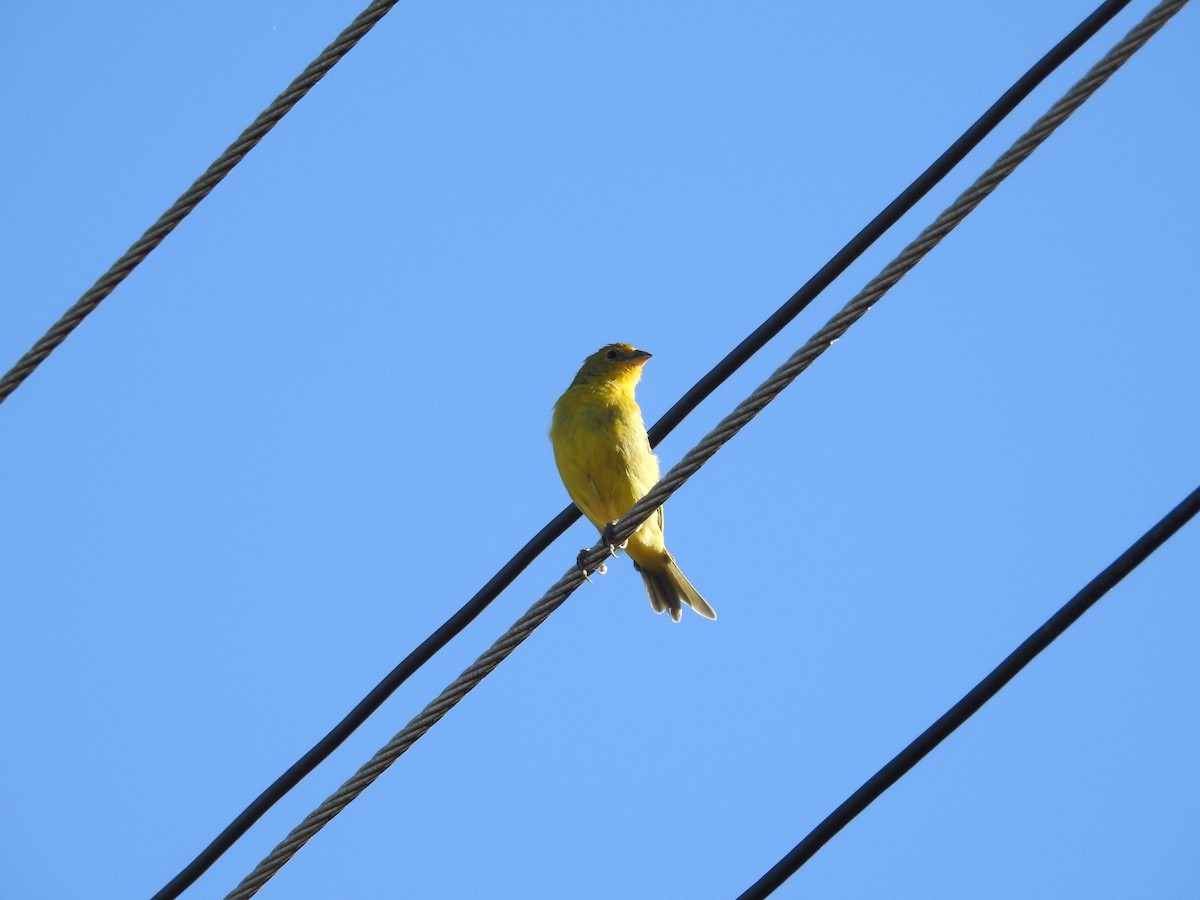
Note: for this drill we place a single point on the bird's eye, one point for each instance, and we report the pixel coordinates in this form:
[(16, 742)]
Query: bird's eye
[(611, 354)]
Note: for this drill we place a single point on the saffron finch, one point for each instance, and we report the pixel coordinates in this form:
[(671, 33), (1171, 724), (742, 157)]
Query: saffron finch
[(604, 458)]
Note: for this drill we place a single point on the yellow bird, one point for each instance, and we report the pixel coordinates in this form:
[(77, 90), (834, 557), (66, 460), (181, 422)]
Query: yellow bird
[(604, 458)]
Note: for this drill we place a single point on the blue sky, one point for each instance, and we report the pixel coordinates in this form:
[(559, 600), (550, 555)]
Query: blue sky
[(314, 422)]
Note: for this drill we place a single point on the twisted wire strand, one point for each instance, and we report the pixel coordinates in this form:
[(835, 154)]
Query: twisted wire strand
[(929, 238), (708, 446), (190, 199)]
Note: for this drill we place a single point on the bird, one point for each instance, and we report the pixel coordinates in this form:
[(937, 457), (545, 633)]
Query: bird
[(606, 464)]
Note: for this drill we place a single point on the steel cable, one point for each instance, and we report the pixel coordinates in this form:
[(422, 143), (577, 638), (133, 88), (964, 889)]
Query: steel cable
[(191, 198), (708, 446)]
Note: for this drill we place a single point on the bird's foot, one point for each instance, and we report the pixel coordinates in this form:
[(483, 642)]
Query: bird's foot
[(601, 569), (610, 539)]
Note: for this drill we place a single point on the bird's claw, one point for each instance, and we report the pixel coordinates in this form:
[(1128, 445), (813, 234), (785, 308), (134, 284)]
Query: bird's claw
[(601, 569), (610, 539)]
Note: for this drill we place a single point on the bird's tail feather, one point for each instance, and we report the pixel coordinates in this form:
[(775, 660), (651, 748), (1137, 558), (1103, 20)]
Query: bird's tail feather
[(669, 589)]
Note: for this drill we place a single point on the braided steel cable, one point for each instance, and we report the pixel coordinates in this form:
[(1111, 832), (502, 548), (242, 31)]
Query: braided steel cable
[(190, 199), (708, 446), (730, 363)]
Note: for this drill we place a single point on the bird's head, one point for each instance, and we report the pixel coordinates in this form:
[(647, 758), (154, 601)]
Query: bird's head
[(614, 363)]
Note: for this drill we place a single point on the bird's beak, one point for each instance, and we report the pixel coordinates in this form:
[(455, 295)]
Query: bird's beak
[(638, 358)]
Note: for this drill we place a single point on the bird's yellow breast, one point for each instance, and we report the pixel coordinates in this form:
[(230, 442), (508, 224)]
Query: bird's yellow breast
[(602, 453)]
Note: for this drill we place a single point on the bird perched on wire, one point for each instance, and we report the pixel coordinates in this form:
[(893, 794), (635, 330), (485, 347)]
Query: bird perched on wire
[(604, 458)]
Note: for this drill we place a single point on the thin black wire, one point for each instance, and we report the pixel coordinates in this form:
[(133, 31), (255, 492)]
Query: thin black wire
[(688, 402), (888, 217), (976, 698), (191, 198)]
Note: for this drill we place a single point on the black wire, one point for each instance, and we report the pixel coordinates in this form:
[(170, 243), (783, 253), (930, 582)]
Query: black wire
[(975, 699), (888, 217), (688, 402)]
